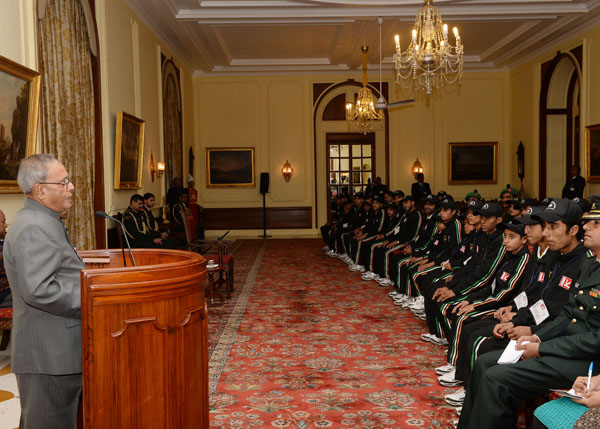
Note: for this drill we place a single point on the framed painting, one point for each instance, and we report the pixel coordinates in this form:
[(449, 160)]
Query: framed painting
[(230, 167), (19, 112), (592, 152), (129, 151), (472, 163)]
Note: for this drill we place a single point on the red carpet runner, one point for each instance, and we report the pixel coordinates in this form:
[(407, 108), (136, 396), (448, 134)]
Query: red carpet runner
[(304, 343)]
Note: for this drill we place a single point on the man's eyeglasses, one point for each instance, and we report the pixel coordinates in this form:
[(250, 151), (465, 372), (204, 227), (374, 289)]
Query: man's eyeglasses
[(65, 183)]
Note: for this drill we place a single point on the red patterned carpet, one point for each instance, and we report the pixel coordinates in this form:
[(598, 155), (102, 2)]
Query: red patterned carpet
[(305, 343)]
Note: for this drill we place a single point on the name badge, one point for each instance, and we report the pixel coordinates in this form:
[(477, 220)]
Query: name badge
[(345, 225), (539, 311), (396, 230), (521, 300)]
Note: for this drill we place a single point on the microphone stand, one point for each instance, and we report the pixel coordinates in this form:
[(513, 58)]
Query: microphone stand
[(104, 215)]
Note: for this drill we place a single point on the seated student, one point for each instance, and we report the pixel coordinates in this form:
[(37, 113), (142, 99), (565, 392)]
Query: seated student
[(479, 271), (558, 352), (138, 232), (404, 232), (480, 339), (149, 201), (391, 225), (370, 235), (335, 210), (341, 229), (484, 302), (507, 196), (416, 249), (451, 238), (5, 295), (473, 196)]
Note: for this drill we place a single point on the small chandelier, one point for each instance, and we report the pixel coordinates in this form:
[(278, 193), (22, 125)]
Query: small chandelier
[(429, 61), (363, 115)]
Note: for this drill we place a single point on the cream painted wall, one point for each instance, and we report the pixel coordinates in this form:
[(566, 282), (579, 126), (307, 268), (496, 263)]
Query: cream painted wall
[(274, 115), (131, 81), (17, 42), (525, 90)]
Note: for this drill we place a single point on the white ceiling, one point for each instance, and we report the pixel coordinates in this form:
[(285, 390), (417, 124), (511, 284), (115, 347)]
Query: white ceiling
[(272, 36)]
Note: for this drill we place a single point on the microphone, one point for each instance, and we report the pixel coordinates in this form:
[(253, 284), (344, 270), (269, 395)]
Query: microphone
[(100, 213)]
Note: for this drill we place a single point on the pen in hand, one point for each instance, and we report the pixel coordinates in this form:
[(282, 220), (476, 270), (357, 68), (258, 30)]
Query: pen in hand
[(590, 375)]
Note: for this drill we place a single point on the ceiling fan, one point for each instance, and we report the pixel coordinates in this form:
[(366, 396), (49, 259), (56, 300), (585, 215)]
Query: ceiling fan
[(381, 104)]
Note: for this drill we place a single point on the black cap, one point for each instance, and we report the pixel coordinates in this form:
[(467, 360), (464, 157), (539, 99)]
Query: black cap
[(491, 208), (475, 206), (519, 228), (378, 198), (442, 194), (448, 203), (528, 218), (398, 193), (359, 195), (561, 209), (594, 211), (528, 202), (392, 206), (546, 201), (583, 204), (408, 198), (432, 199)]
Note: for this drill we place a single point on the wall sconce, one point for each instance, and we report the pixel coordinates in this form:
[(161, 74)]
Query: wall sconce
[(287, 171), (417, 168), (159, 170)]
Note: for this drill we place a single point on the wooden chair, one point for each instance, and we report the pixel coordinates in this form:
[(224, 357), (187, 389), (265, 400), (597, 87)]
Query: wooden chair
[(217, 250), (6, 315)]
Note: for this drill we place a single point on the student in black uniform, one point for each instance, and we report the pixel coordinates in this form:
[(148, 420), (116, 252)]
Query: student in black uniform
[(557, 353), (370, 235)]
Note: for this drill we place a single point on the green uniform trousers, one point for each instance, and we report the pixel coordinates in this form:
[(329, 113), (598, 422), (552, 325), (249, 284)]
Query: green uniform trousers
[(494, 392)]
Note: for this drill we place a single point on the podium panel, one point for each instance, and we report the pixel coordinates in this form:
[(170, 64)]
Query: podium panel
[(145, 340)]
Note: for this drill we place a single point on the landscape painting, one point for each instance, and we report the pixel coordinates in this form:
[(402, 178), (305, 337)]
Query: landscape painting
[(230, 167), (471, 163), (19, 104)]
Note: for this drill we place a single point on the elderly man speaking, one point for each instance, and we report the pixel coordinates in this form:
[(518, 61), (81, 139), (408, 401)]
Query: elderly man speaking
[(43, 270)]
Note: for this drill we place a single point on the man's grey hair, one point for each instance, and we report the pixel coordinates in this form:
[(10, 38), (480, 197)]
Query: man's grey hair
[(34, 169)]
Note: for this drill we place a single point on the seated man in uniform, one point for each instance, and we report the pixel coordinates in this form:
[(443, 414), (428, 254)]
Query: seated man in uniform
[(138, 231)]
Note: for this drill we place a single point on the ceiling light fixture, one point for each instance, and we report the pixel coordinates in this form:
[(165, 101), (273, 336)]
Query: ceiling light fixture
[(363, 114), (430, 61)]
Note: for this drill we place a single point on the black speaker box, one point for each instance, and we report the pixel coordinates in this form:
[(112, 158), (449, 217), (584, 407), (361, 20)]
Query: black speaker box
[(264, 183)]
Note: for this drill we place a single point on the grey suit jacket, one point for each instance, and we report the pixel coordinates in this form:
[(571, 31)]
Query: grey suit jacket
[(43, 270)]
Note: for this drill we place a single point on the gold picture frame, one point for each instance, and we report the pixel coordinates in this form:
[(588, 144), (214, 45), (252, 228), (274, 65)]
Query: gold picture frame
[(592, 153), (471, 163), (230, 167), (129, 151), (19, 114)]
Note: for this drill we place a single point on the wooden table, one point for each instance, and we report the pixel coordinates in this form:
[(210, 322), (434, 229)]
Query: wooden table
[(215, 282)]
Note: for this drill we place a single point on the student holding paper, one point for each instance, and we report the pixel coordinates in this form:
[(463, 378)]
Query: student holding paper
[(561, 350)]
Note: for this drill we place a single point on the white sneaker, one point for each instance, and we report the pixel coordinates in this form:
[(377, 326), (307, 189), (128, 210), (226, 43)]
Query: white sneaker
[(417, 307), (408, 302), (426, 337), (448, 380), (385, 282), (421, 316), (439, 341), (393, 294), (456, 399), (331, 253), (368, 274), (444, 369), (356, 267), (458, 410), (401, 298), (325, 248)]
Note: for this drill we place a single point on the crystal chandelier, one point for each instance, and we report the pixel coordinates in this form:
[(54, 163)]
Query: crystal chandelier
[(363, 114), (430, 60)]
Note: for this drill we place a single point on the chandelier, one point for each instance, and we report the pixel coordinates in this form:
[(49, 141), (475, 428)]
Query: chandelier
[(430, 61), (363, 114)]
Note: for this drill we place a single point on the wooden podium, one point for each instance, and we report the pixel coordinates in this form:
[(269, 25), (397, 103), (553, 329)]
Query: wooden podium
[(145, 340)]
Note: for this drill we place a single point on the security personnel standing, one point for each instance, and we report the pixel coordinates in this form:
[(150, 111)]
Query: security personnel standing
[(553, 358)]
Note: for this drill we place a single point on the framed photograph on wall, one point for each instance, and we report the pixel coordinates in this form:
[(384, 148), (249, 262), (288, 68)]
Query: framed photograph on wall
[(19, 112), (230, 167), (470, 163), (592, 153), (129, 151)]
